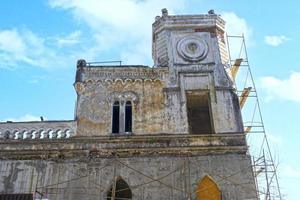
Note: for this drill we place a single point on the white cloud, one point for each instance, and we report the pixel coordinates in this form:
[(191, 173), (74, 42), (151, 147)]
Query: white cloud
[(125, 22), (274, 139), (127, 15), (27, 48), (71, 39), (290, 171), (283, 89), (11, 41), (34, 81), (275, 40), (119, 26), (25, 118), (237, 26)]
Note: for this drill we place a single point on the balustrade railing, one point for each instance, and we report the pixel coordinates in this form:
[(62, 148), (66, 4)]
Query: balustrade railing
[(37, 130)]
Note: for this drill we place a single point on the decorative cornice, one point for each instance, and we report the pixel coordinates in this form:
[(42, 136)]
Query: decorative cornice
[(123, 146), (122, 73)]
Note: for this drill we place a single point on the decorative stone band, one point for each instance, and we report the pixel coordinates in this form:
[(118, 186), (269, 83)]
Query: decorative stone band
[(122, 96), (37, 130), (111, 73), (86, 148), (196, 22), (81, 86)]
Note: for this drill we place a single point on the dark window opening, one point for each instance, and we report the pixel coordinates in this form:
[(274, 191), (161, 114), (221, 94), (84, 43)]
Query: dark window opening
[(198, 113), (120, 191), (16, 196), (116, 117), (128, 117)]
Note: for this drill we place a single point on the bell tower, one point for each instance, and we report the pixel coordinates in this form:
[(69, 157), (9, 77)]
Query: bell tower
[(186, 39), (192, 47)]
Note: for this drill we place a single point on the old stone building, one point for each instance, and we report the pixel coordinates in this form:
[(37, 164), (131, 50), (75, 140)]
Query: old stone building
[(172, 131)]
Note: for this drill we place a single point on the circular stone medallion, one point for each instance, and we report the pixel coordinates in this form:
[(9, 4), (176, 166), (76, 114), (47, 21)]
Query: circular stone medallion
[(192, 48)]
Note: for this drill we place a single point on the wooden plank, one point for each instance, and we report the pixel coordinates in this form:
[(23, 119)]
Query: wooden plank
[(247, 129), (235, 67), (244, 96)]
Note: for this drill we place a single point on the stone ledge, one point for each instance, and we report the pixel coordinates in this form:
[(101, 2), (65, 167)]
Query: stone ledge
[(123, 146)]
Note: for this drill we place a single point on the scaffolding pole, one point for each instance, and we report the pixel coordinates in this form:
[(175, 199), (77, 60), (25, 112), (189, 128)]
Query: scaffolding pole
[(263, 164)]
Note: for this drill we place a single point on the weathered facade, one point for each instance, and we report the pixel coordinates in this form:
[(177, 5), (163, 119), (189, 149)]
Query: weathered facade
[(173, 131)]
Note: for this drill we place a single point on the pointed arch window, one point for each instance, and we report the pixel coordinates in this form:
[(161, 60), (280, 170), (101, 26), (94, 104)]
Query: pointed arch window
[(116, 117), (207, 189), (119, 190)]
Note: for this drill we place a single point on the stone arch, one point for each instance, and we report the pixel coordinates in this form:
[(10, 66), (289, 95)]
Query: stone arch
[(138, 81), (157, 82), (24, 134), (89, 82), (122, 97), (68, 133), (207, 189), (7, 134), (128, 81), (59, 133), (34, 134), (118, 81), (42, 134), (16, 135), (120, 191)]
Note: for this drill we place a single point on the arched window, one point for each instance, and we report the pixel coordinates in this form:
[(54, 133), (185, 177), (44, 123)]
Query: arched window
[(128, 117), (208, 190), (119, 190), (116, 117)]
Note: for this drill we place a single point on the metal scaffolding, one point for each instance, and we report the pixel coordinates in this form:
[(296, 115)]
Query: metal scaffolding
[(264, 167)]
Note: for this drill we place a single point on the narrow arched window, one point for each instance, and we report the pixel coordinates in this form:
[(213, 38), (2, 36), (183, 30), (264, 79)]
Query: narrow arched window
[(128, 117), (119, 190), (116, 117)]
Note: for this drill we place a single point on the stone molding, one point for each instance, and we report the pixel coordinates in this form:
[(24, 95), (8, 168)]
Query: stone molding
[(122, 73), (188, 21), (122, 97), (106, 82), (123, 146)]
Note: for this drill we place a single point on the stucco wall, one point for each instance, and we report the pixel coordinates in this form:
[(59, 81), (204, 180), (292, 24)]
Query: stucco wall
[(145, 91), (149, 178)]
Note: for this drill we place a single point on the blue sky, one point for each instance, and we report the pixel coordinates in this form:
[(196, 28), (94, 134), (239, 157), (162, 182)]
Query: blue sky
[(40, 42)]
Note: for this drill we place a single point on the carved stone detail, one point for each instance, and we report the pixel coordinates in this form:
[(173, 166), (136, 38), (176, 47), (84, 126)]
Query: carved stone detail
[(192, 48), (81, 63), (79, 87), (125, 74), (122, 96)]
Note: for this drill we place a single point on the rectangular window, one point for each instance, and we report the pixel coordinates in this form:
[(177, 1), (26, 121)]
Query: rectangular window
[(198, 112), (122, 117)]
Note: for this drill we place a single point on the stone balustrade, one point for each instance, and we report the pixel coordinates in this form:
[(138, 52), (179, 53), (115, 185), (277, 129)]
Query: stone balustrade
[(37, 130)]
